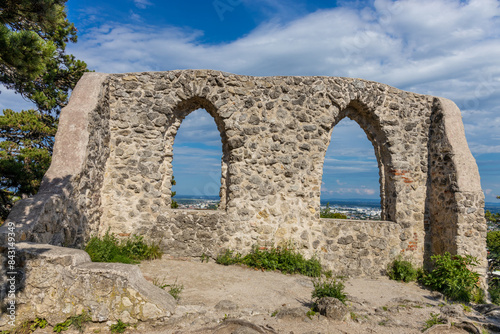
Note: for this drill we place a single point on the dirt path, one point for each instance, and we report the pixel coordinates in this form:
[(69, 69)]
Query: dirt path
[(214, 296)]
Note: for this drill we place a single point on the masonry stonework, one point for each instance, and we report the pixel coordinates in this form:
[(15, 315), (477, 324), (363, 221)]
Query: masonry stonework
[(113, 172)]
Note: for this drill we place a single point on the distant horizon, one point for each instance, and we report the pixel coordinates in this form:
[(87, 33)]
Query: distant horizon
[(182, 196)]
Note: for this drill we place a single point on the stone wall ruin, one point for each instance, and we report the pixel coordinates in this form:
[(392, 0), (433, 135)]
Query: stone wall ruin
[(112, 167)]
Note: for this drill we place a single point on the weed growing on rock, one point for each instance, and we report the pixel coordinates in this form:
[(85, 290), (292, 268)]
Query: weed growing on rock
[(27, 327), (174, 289), (452, 276), (283, 258), (119, 327), (77, 321), (204, 258), (402, 270), (466, 308), (329, 287), (132, 250), (310, 314), (433, 320)]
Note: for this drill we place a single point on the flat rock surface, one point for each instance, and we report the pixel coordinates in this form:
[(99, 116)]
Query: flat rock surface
[(237, 300), (375, 305)]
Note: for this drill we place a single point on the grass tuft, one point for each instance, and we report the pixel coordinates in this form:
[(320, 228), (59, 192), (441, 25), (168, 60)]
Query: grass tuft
[(131, 250), (119, 327), (283, 258), (402, 270), (329, 287), (433, 320)]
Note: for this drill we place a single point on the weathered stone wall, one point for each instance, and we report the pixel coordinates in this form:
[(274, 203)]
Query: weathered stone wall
[(274, 133), (67, 205), (456, 202), (55, 283)]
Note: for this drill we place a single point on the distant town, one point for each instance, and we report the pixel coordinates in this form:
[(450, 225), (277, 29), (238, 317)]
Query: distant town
[(353, 209)]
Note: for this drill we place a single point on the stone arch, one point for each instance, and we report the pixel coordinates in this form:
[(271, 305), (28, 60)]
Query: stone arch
[(370, 124), (179, 113), (274, 132)]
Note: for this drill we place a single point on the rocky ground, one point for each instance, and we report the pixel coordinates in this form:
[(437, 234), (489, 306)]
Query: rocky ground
[(239, 300)]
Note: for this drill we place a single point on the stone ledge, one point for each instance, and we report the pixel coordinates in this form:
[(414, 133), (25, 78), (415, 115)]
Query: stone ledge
[(57, 283)]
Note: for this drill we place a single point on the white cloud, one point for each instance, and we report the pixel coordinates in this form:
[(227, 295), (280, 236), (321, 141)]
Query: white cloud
[(349, 191), (142, 4), (446, 48)]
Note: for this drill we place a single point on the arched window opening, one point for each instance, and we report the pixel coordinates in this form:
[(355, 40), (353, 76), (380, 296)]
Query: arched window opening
[(350, 187), (196, 163)]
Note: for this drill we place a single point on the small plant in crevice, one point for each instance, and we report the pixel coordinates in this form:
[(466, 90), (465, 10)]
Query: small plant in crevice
[(39, 323), (119, 327), (311, 313), (466, 308), (28, 326), (433, 320), (131, 250), (77, 321), (174, 289), (453, 276), (402, 270), (204, 258), (329, 287)]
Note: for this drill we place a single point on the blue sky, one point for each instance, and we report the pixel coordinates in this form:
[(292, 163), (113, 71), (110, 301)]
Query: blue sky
[(445, 48)]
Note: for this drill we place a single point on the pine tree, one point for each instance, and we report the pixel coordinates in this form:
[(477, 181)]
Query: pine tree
[(33, 37)]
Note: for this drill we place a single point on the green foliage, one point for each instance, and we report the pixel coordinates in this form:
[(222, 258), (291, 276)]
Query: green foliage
[(326, 213), (283, 258), (452, 275), (402, 270), (228, 257), (33, 37), (286, 259), (433, 320), (119, 327), (492, 217), (25, 154), (77, 321), (494, 290), (310, 314), (62, 326), (173, 204), (38, 323), (493, 245), (131, 250), (174, 289), (27, 327), (329, 287), (205, 258)]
